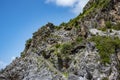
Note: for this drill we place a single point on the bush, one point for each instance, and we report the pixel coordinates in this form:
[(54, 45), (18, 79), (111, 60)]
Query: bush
[(117, 27), (108, 25), (66, 48), (106, 46), (102, 29), (58, 27), (22, 54), (28, 43), (79, 39), (63, 24), (57, 45)]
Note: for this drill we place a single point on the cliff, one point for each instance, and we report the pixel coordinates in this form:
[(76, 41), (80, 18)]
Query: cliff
[(85, 48)]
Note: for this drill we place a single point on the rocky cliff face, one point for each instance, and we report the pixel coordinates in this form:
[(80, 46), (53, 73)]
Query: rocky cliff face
[(85, 48)]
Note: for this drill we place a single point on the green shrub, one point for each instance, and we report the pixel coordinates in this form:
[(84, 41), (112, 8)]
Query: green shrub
[(102, 29), (72, 22), (58, 27), (57, 45), (79, 39), (63, 24), (22, 54), (103, 3), (28, 43), (117, 26), (108, 25), (106, 46), (66, 48)]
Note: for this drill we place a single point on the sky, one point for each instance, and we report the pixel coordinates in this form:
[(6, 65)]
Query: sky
[(19, 19)]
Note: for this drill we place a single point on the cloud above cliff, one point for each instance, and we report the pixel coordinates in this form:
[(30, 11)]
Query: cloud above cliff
[(76, 6), (63, 3)]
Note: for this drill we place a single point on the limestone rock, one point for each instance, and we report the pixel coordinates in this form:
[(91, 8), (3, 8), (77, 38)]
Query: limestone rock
[(68, 52)]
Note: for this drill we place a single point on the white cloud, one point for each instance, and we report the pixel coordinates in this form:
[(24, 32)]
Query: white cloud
[(65, 3), (79, 6), (76, 6), (13, 58)]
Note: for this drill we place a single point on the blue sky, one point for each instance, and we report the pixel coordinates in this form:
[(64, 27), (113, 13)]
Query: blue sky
[(20, 18)]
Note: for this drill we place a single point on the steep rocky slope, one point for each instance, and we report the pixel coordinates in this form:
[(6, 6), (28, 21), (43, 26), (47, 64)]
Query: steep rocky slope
[(85, 48)]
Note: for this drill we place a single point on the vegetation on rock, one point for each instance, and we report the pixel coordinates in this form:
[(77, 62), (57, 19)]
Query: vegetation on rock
[(106, 46), (66, 48), (28, 43), (73, 50), (109, 25)]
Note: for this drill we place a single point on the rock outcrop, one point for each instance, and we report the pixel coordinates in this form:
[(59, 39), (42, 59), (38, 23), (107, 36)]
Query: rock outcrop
[(85, 48)]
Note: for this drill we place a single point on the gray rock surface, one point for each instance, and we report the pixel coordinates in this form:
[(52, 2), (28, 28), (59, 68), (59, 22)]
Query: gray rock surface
[(57, 53)]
